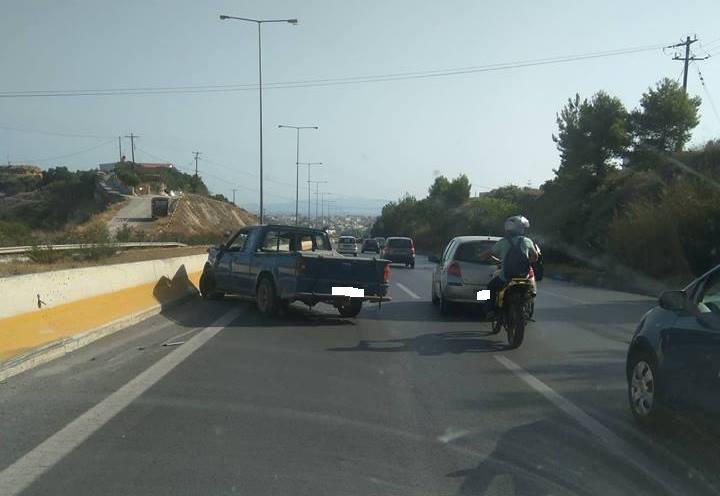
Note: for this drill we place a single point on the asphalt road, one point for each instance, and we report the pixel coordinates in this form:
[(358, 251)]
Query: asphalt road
[(396, 402), (137, 211)]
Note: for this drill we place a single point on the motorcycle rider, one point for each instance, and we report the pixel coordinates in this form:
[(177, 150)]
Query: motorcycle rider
[(515, 228)]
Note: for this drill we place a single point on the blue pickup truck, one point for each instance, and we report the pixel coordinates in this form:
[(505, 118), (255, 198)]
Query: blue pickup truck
[(275, 265)]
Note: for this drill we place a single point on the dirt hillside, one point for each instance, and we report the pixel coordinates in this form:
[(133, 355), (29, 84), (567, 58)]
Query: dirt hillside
[(197, 214)]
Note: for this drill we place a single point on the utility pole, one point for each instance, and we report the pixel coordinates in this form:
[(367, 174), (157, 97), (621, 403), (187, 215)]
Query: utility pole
[(197, 156), (317, 195), (234, 190), (309, 164), (132, 137), (120, 147), (687, 58)]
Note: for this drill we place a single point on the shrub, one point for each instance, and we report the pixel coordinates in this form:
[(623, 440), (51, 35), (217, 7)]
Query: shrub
[(44, 254)]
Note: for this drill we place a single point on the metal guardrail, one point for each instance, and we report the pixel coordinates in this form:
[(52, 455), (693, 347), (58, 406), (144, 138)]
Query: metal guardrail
[(16, 250)]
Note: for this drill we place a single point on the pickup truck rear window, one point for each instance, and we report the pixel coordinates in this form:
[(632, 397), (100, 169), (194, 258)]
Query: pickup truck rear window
[(278, 241)]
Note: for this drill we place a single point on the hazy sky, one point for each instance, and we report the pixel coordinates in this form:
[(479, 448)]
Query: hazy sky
[(377, 139)]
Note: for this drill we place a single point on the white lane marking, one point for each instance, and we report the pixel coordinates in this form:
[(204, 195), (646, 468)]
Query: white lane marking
[(43, 457), (407, 290), (558, 295), (616, 445)]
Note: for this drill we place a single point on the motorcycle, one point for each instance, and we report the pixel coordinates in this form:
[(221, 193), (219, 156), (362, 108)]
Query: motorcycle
[(515, 303)]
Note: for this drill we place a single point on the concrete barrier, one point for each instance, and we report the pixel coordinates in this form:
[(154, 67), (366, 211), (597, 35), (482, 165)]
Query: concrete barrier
[(45, 315)]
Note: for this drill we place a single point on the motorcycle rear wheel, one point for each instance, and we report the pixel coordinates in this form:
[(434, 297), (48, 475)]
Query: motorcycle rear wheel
[(516, 326)]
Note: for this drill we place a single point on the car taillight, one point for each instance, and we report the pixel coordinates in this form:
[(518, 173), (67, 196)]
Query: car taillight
[(386, 273), (413, 249), (454, 270)]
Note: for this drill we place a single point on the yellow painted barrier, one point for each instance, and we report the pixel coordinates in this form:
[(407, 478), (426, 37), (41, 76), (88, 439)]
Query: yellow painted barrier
[(25, 332)]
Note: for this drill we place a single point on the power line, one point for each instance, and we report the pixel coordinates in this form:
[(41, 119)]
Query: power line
[(707, 93), (52, 133), (330, 81), (79, 152)]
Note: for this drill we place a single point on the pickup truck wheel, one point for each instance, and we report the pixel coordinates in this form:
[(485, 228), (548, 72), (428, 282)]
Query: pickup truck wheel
[(350, 308), (266, 298), (208, 287)]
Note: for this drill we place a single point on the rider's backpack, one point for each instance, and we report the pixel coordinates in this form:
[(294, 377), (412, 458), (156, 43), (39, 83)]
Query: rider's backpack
[(516, 263)]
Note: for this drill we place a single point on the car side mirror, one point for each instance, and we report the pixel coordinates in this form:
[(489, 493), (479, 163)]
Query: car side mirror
[(433, 259), (675, 301)]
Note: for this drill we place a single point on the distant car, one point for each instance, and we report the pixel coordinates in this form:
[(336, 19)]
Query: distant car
[(400, 250), (460, 272), (674, 356), (370, 245), (347, 245), (381, 242)]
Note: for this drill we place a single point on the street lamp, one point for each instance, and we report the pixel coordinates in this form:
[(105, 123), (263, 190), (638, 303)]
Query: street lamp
[(259, 23), (297, 163), (309, 164)]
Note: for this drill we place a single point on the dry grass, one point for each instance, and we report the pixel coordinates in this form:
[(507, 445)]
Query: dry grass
[(135, 255)]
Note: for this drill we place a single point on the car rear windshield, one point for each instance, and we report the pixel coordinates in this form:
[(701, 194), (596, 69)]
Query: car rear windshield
[(400, 243), (346, 240), (470, 252)]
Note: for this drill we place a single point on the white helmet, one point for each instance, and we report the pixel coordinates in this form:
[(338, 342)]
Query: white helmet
[(516, 225)]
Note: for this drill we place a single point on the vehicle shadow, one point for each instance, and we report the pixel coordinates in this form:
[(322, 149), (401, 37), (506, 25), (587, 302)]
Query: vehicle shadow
[(423, 311), (431, 344), (683, 443), (554, 456)]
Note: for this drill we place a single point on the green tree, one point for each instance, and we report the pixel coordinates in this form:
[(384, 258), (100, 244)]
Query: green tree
[(591, 134), (666, 117)]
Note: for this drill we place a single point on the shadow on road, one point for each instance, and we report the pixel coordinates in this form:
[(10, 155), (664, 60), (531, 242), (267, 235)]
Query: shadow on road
[(553, 456), (423, 311), (432, 344)]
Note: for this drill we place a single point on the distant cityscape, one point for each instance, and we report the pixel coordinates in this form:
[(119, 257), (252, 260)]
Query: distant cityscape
[(336, 225)]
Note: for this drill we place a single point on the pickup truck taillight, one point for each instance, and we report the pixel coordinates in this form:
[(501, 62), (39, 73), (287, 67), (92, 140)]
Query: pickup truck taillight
[(386, 273), (413, 249), (454, 270)]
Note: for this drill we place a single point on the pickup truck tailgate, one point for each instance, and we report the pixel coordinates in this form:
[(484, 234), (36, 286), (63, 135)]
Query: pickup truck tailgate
[(322, 272)]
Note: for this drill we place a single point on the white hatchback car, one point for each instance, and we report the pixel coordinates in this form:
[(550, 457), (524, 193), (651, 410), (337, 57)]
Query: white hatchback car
[(460, 274), (347, 245)]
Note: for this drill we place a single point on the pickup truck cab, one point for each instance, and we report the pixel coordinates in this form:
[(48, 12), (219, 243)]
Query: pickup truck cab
[(275, 265)]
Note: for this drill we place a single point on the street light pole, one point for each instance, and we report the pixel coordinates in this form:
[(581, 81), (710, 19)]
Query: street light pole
[(259, 22), (297, 163)]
